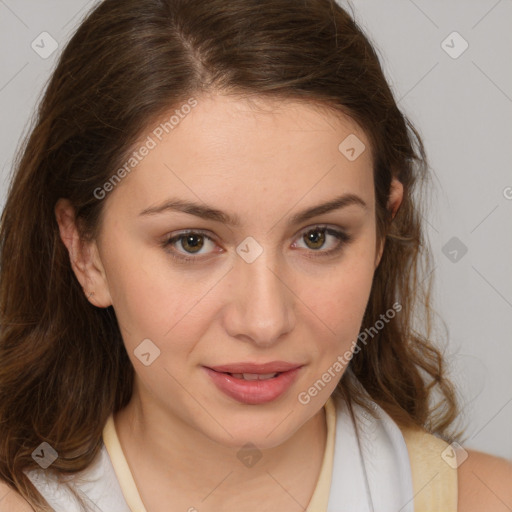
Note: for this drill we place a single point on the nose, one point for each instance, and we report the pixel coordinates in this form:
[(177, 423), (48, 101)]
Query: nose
[(261, 310)]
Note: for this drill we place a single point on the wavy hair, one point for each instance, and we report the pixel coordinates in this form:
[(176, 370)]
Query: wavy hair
[(63, 365)]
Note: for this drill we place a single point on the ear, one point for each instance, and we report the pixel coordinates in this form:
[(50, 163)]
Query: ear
[(84, 257), (396, 196)]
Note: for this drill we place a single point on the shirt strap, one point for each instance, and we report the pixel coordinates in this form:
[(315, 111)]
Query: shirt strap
[(320, 499), (434, 474), (121, 468)]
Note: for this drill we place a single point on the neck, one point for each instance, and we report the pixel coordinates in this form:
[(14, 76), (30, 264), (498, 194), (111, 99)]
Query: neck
[(161, 448)]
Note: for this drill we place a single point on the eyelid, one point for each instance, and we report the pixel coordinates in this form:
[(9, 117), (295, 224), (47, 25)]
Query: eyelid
[(341, 234), (183, 257), (343, 239)]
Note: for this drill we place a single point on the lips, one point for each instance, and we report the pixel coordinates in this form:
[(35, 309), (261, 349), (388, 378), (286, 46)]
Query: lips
[(252, 383), (256, 368)]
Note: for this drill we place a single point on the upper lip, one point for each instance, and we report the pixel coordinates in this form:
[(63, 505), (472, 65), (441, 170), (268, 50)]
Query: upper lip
[(261, 368)]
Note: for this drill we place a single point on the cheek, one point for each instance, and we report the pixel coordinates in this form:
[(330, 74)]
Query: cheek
[(341, 302), (340, 295), (157, 299), (151, 299)]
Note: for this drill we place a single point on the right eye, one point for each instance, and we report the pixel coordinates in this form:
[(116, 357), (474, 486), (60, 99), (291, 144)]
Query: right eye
[(190, 241)]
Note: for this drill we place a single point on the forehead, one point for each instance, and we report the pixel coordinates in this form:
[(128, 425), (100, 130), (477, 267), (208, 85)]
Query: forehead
[(245, 126), (231, 151)]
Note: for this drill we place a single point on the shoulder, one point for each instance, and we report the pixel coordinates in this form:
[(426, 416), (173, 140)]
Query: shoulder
[(484, 483), (12, 501)]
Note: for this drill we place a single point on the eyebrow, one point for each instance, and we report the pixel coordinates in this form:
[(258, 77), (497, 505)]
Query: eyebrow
[(209, 213)]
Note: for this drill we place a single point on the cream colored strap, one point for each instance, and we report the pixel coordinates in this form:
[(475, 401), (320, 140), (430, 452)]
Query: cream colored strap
[(121, 468), (320, 498), (434, 479)]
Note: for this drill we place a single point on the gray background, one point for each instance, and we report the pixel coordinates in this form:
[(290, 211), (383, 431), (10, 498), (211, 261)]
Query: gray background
[(462, 106)]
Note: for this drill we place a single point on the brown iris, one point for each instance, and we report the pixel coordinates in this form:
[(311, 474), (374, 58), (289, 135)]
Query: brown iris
[(193, 241), (315, 236)]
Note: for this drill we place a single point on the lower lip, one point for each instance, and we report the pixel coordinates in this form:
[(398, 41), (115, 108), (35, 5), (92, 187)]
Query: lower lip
[(253, 391)]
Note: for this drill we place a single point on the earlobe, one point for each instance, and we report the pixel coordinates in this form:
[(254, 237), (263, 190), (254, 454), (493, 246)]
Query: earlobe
[(84, 257), (396, 196), (395, 199), (380, 250)]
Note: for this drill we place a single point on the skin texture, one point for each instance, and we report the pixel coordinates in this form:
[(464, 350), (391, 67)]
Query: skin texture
[(263, 162), (484, 484), (283, 306), (289, 304)]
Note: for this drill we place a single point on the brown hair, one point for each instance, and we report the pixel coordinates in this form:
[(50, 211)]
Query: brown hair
[(63, 365)]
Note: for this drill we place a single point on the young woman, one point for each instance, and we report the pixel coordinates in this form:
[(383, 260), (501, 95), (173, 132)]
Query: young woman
[(211, 258)]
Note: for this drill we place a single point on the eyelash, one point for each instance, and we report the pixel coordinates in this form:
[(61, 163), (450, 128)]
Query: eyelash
[(342, 236)]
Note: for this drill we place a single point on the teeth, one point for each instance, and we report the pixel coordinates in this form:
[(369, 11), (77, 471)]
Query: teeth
[(254, 376)]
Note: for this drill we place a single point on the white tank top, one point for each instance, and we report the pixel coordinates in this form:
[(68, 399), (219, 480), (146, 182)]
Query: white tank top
[(369, 474)]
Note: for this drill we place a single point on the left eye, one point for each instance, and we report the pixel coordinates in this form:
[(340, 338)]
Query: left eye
[(315, 238), (192, 242)]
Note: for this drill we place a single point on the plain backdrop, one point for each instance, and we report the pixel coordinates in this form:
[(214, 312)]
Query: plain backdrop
[(448, 63)]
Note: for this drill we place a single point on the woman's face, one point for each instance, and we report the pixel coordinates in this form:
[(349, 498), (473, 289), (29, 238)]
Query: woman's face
[(256, 292)]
